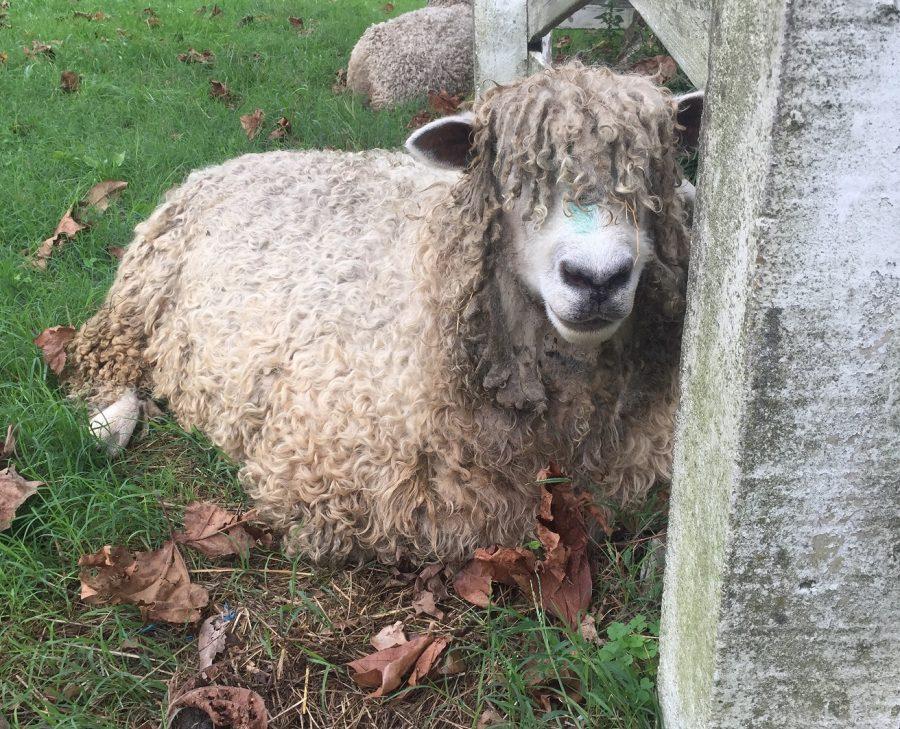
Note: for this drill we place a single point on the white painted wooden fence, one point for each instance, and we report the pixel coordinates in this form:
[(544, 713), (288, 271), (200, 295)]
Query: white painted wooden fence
[(782, 586)]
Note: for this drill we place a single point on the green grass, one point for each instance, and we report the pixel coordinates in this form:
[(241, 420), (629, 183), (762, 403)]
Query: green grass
[(143, 116)]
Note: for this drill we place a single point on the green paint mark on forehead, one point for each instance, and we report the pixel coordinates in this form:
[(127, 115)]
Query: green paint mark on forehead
[(584, 220)]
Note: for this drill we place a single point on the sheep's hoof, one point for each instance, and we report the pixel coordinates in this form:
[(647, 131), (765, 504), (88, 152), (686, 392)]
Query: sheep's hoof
[(114, 425)]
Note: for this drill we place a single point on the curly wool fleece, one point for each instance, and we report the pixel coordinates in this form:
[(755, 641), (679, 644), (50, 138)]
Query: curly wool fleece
[(406, 57), (350, 326)]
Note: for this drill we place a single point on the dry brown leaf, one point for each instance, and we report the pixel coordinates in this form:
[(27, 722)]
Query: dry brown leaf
[(252, 122), (8, 449), (588, 629), (97, 16), (69, 81), (384, 670), (453, 663), (100, 196), (389, 636), (53, 342), (424, 603), (564, 41), (419, 119), (296, 22), (116, 252), (219, 90), (388, 7), (473, 582), (661, 69), (489, 718), (426, 661), (206, 57), (226, 706), (281, 130), (67, 228), (215, 532), (37, 48), (565, 571), (443, 103), (340, 81), (4, 56), (157, 582), (14, 490), (216, 10), (211, 639), (432, 577)]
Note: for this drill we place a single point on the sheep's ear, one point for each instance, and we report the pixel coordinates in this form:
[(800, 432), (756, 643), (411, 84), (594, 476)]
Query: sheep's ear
[(689, 111), (445, 142)]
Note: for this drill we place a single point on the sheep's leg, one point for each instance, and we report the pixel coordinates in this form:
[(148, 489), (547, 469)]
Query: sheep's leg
[(114, 425)]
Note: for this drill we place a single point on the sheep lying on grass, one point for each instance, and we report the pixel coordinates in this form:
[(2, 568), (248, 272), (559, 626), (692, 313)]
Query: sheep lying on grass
[(406, 57), (394, 349)]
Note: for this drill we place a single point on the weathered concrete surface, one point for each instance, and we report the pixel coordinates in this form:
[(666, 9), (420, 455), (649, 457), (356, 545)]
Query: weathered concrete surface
[(683, 28), (782, 588), (501, 42)]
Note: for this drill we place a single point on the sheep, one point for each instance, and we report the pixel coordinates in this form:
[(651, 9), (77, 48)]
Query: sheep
[(425, 50), (393, 344)]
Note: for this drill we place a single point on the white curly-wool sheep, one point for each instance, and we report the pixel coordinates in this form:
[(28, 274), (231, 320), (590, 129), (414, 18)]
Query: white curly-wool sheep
[(394, 350), (430, 49)]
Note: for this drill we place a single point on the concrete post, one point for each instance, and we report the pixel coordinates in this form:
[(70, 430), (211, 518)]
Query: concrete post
[(501, 42), (782, 588)]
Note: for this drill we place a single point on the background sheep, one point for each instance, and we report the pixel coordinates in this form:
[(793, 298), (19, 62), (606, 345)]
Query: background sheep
[(393, 350), (406, 57)]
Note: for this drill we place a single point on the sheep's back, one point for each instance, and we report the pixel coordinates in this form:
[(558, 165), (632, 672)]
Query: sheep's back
[(294, 312)]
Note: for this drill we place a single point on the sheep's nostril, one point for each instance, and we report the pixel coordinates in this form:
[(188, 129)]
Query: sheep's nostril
[(597, 283), (576, 277)]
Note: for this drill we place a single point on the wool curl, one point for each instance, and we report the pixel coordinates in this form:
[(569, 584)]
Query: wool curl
[(351, 328), (426, 50)]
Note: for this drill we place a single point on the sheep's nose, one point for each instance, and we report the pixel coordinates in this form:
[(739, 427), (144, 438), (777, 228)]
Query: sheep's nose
[(599, 285)]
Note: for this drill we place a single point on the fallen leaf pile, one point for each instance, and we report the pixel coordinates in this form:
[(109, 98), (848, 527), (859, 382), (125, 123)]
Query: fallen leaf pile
[(53, 342), (206, 57), (440, 103), (396, 659), (79, 217), (215, 532), (97, 16), (37, 48), (281, 130), (561, 580), (661, 69), (157, 582)]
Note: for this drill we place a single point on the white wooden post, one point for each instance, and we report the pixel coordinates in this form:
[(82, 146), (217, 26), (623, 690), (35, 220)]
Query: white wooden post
[(782, 587)]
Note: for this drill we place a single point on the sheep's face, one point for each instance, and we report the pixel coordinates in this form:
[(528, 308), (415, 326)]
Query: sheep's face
[(582, 263)]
